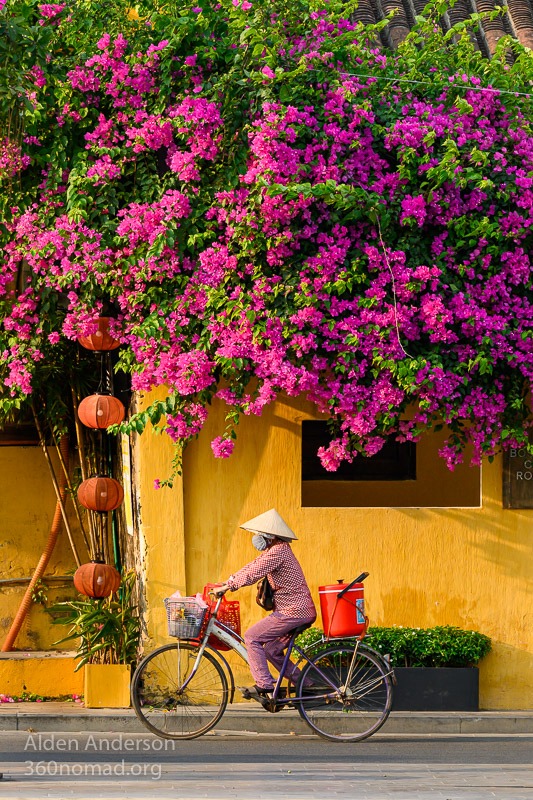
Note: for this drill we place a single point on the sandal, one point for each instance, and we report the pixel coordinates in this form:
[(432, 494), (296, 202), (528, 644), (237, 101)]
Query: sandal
[(256, 693)]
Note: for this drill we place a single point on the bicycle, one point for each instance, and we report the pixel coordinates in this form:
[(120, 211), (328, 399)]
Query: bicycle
[(181, 690)]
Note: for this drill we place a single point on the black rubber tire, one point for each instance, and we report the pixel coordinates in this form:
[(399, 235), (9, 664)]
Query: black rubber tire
[(358, 715), (163, 708)]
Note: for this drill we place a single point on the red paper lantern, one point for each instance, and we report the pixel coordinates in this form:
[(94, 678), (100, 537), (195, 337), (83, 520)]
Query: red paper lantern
[(100, 340), (101, 411), (96, 579), (101, 494)]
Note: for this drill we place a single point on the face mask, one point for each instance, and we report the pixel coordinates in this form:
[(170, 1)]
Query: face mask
[(259, 541)]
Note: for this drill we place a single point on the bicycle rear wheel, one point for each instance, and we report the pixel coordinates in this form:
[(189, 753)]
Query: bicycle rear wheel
[(352, 701), (167, 704)]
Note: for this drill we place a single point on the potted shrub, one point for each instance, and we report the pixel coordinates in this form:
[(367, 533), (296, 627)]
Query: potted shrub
[(435, 668), (108, 632)]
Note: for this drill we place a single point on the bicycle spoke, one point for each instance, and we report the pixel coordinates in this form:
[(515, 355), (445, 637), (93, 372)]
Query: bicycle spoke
[(350, 712), (173, 702)]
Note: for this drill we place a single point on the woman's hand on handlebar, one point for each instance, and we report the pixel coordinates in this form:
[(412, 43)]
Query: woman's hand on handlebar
[(221, 590)]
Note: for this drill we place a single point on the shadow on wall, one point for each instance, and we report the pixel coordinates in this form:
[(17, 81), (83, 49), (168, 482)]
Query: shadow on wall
[(424, 608), (500, 537), (507, 540)]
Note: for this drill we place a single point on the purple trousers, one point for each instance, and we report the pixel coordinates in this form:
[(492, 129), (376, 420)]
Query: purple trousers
[(266, 640)]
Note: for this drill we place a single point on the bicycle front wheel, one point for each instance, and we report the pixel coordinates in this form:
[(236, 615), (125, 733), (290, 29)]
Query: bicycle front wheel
[(170, 700), (347, 697)]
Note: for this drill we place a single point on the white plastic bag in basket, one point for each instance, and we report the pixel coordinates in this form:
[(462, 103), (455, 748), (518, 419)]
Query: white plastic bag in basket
[(176, 596), (200, 600)]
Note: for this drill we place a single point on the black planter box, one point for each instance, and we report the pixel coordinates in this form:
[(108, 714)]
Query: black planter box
[(442, 689)]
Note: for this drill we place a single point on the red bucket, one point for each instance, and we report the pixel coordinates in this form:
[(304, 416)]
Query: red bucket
[(344, 616)]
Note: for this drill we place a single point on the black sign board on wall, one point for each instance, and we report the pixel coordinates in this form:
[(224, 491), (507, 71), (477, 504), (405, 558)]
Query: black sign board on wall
[(517, 478)]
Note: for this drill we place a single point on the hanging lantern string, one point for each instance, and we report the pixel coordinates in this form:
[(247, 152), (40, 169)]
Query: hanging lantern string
[(109, 373), (98, 555), (105, 385), (101, 453), (102, 382), (83, 465)]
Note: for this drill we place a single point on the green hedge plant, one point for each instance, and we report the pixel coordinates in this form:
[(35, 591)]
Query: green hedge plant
[(441, 646)]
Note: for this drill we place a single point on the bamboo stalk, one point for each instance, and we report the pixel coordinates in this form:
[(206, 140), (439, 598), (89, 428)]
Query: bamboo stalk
[(56, 487), (71, 490), (79, 435), (97, 527), (105, 536)]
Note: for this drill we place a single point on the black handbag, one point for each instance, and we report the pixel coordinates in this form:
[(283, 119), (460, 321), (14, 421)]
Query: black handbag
[(265, 595)]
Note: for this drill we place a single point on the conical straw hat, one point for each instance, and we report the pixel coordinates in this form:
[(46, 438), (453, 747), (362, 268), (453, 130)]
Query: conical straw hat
[(271, 524)]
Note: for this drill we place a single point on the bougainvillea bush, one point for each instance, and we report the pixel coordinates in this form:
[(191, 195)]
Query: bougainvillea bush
[(271, 202)]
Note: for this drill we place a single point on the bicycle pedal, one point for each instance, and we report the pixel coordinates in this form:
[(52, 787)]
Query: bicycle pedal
[(252, 694)]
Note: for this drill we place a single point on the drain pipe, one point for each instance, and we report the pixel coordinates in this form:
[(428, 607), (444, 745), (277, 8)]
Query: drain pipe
[(45, 557)]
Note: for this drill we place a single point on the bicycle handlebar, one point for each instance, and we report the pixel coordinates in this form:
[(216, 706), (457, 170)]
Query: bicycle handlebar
[(220, 597)]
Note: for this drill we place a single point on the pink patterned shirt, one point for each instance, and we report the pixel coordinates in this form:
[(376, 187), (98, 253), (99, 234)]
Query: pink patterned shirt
[(291, 592)]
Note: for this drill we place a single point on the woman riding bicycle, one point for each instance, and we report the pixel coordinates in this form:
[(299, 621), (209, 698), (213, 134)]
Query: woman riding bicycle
[(343, 690), (293, 604)]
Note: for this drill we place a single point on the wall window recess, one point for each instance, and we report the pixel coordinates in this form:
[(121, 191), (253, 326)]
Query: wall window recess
[(396, 461), (401, 475), (20, 434)]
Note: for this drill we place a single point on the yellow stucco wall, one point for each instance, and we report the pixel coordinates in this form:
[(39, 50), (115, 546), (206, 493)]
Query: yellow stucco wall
[(27, 506), (470, 567), (40, 674), (162, 528)]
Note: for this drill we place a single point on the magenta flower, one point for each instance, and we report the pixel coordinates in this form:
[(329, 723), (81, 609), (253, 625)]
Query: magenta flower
[(413, 208), (51, 10), (367, 250), (222, 447)]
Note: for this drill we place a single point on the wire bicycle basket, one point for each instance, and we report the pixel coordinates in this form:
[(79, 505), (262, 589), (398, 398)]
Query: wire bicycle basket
[(185, 617)]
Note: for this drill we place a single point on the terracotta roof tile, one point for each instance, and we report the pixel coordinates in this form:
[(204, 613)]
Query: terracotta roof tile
[(517, 20)]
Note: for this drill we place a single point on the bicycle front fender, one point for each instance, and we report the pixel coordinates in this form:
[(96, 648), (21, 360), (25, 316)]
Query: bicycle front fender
[(229, 671)]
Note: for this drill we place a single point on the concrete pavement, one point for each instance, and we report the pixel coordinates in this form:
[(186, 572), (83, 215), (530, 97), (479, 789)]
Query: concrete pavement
[(304, 782), (248, 717), (263, 767)]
